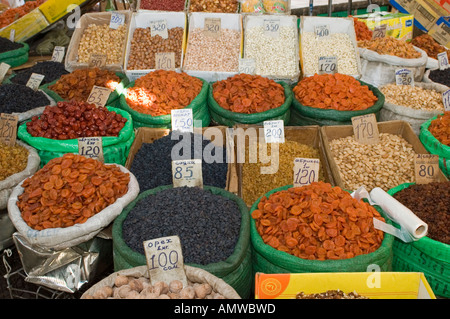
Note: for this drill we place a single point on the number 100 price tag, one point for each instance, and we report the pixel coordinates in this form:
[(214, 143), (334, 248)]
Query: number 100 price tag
[(91, 147), (165, 259), (306, 171)]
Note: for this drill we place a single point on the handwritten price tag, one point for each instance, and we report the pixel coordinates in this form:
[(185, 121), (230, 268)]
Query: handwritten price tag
[(159, 27), (272, 27), (165, 259), (97, 60), (365, 129), (165, 60), (404, 77), (446, 100), (379, 31), (327, 64), (8, 128), (306, 171), (117, 19), (247, 66), (182, 120), (4, 68), (213, 27), (187, 173), (426, 167), (91, 147), (58, 54), (443, 60), (274, 131), (322, 31), (99, 96), (35, 81)]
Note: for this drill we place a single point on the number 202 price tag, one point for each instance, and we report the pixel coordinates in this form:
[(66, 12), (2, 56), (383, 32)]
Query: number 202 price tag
[(306, 171), (165, 259), (91, 147), (187, 173), (365, 129), (426, 167), (274, 131)]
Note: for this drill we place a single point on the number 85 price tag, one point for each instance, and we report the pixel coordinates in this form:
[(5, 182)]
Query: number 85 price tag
[(306, 171)]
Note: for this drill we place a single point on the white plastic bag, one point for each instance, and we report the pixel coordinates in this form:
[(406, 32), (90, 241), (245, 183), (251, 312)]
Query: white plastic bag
[(379, 69), (7, 185), (61, 238)]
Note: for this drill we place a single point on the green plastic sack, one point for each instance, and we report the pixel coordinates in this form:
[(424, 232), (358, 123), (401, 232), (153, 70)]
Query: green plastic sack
[(198, 106), (115, 149), (435, 147), (229, 118), (16, 60), (114, 97), (424, 255), (303, 115), (236, 270), (15, 53), (267, 259)]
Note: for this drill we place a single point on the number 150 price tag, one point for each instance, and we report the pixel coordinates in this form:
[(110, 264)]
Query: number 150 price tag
[(306, 171)]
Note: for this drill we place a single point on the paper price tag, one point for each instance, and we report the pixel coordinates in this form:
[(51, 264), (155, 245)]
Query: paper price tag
[(306, 171), (213, 27), (379, 31), (327, 64), (187, 173), (8, 128), (4, 68), (322, 31), (117, 19), (35, 81), (165, 60), (446, 100), (247, 66), (97, 60), (165, 259), (58, 54), (91, 147), (12, 35), (272, 27), (404, 77), (365, 129), (443, 60), (274, 131), (159, 27), (426, 167), (182, 120), (99, 96)]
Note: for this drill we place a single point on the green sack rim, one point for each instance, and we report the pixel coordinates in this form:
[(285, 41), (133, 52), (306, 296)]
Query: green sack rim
[(112, 97), (164, 120), (16, 61), (24, 50), (230, 123), (261, 248), (425, 244), (71, 145), (226, 266), (254, 117), (336, 115)]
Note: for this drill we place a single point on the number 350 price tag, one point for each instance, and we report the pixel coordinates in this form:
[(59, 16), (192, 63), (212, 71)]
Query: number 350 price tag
[(165, 259), (91, 147), (306, 171)]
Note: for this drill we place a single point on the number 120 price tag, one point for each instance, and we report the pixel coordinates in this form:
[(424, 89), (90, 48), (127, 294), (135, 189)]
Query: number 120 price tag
[(91, 147), (306, 171)]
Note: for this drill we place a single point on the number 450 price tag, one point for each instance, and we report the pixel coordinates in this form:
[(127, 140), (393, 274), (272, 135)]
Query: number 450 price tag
[(306, 171), (165, 259)]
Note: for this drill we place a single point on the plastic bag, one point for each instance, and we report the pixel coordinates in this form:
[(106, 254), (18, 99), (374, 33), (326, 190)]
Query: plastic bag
[(61, 238), (252, 6), (379, 69)]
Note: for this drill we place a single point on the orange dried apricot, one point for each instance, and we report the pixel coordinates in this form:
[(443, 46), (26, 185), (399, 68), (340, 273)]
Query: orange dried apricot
[(440, 128)]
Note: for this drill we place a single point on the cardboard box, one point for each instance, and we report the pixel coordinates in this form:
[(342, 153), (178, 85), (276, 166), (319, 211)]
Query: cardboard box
[(26, 27), (142, 20), (149, 135), (53, 10), (374, 285), (308, 135), (441, 31), (401, 128), (399, 25)]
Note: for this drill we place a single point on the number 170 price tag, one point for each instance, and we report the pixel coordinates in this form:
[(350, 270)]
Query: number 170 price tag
[(306, 171)]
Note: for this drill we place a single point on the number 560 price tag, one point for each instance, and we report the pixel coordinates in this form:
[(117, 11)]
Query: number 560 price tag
[(306, 171)]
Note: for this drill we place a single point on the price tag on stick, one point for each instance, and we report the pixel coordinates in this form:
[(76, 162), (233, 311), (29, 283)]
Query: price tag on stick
[(426, 167), (97, 60), (58, 54), (187, 173), (306, 171), (272, 27), (99, 96), (327, 64), (404, 77), (165, 260), (12, 35), (4, 68), (165, 60), (182, 120), (274, 131), (91, 147), (35, 81), (159, 27), (365, 129), (117, 19), (213, 27), (8, 128), (443, 60)]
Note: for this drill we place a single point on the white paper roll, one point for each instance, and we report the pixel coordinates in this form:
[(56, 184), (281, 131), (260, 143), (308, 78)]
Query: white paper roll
[(399, 213)]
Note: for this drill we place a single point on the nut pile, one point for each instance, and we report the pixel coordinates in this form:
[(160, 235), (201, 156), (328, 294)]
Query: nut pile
[(318, 222), (431, 203), (331, 294), (101, 39), (207, 53), (163, 5), (440, 128), (391, 46), (68, 190), (129, 287), (13, 159), (414, 97), (144, 47), (429, 45), (70, 120), (336, 44), (78, 84), (223, 6), (256, 184), (274, 56), (245, 93), (386, 164), (334, 91)]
